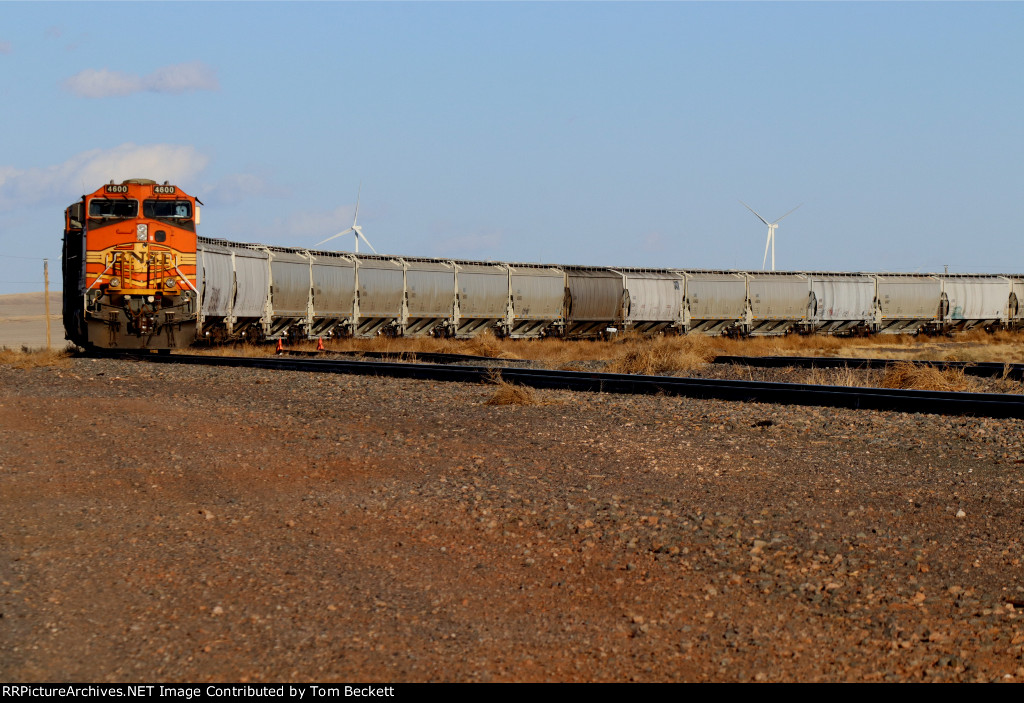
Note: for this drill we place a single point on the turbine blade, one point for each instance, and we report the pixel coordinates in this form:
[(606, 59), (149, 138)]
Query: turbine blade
[(333, 236), (765, 259), (358, 195), (787, 214), (755, 212), (359, 233)]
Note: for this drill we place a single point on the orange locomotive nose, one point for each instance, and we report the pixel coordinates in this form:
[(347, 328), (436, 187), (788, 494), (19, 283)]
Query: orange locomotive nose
[(125, 243)]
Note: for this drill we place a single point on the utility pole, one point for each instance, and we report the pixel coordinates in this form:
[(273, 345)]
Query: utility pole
[(46, 297)]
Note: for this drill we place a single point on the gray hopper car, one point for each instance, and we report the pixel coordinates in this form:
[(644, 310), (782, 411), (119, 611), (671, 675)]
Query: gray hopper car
[(254, 291)]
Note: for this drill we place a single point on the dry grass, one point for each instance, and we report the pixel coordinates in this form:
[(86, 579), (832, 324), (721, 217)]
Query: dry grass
[(509, 393), (980, 336), (671, 353), (485, 344), (978, 345), (850, 378), (34, 358), (909, 376), (787, 345), (246, 349), (661, 355)]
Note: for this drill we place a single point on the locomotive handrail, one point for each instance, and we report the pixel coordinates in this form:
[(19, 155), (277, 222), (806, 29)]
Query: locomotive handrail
[(96, 280), (184, 278)]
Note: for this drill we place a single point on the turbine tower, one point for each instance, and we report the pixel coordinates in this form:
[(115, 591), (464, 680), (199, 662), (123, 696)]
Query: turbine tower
[(355, 228), (772, 226)]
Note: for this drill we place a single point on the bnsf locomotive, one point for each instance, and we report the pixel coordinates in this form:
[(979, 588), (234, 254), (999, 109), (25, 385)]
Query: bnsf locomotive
[(130, 267)]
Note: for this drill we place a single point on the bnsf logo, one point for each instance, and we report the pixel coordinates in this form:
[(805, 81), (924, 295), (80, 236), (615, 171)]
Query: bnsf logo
[(163, 189), (117, 189)]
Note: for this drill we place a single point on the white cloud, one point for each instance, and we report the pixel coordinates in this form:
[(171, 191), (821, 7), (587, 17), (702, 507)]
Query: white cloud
[(91, 83), (172, 80), (5, 47), (88, 170), (182, 78)]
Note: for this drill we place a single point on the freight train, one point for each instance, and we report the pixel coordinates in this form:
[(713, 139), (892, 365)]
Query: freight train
[(137, 276)]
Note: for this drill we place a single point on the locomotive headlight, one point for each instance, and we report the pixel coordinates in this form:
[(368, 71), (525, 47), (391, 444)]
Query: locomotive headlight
[(170, 283), (115, 282), (141, 233)]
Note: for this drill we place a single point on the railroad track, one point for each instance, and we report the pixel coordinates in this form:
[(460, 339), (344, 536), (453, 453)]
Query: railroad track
[(971, 368), (933, 402), (429, 357)]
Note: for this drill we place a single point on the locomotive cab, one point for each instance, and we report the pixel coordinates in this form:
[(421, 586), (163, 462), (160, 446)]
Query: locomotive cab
[(130, 267)]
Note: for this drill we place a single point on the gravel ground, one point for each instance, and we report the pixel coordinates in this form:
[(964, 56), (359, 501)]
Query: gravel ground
[(189, 523)]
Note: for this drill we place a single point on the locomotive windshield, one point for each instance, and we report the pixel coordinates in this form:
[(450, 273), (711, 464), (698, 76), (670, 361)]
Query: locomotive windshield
[(167, 209), (105, 209)]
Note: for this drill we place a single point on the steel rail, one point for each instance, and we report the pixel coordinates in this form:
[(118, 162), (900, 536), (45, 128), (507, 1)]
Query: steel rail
[(971, 368), (430, 357), (933, 402)]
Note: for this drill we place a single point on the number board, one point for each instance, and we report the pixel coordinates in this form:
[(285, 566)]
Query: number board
[(116, 188), (163, 189)]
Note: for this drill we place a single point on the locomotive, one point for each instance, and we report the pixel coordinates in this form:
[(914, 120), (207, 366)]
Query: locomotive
[(138, 277), (129, 267)]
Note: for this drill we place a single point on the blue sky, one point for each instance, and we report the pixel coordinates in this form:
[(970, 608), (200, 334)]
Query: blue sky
[(590, 133)]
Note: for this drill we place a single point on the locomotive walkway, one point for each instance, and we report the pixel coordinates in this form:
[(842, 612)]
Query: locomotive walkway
[(910, 401)]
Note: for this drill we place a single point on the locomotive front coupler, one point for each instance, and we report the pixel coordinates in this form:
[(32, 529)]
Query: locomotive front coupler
[(140, 313)]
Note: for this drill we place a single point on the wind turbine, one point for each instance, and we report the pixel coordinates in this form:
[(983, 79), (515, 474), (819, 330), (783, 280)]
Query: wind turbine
[(772, 226), (355, 228)]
